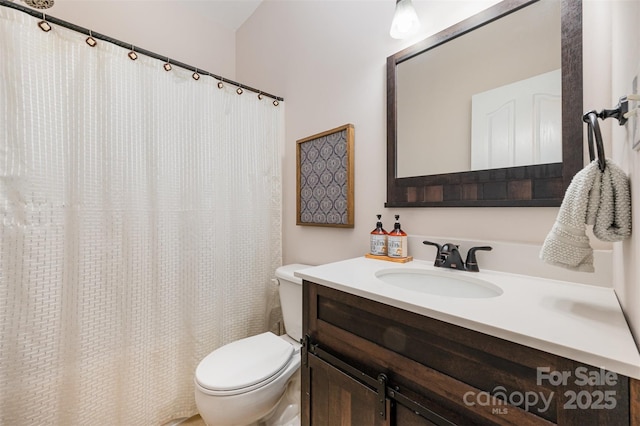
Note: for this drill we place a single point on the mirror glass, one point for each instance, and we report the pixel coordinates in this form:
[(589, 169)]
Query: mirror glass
[(468, 105), (488, 112)]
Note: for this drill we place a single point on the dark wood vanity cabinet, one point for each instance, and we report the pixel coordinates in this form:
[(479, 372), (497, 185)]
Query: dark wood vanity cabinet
[(367, 363)]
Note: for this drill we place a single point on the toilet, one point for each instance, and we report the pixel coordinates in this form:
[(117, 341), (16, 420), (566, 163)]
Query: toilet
[(243, 382)]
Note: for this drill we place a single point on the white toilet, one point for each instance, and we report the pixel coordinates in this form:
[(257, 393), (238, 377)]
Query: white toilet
[(242, 382)]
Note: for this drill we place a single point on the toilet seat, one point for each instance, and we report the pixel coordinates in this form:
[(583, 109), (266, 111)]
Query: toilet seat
[(244, 365)]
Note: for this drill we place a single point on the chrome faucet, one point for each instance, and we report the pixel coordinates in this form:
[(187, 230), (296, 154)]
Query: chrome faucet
[(448, 256)]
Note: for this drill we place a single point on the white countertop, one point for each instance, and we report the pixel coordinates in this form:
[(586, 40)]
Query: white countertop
[(581, 322)]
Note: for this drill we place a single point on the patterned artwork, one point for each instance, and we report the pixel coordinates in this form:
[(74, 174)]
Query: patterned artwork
[(325, 178)]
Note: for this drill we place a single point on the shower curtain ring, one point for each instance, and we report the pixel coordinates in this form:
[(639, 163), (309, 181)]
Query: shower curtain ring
[(44, 25), (132, 54), (90, 40), (239, 90), (195, 75), (167, 65)]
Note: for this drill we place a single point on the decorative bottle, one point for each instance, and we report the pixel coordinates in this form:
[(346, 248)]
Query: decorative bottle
[(397, 241), (379, 239)]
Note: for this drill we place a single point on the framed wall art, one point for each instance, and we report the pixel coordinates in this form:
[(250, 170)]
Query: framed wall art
[(325, 178)]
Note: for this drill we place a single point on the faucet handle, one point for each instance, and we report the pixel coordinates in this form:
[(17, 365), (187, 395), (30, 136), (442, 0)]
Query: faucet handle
[(471, 263), (438, 260)]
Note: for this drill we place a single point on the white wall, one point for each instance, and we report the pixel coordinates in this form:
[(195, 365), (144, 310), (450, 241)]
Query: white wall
[(625, 65), (181, 30), (327, 59)]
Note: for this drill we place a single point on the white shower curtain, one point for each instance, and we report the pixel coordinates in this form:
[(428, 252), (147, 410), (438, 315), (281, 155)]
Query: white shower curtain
[(140, 226)]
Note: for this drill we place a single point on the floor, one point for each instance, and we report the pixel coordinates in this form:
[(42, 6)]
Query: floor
[(192, 421)]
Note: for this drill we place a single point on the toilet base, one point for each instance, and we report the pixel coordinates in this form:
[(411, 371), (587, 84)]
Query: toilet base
[(287, 412)]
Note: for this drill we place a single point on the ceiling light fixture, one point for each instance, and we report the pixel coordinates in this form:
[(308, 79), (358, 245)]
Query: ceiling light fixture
[(405, 20), (39, 4)]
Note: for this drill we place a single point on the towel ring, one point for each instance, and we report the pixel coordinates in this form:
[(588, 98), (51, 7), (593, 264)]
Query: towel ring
[(620, 112), (591, 118)]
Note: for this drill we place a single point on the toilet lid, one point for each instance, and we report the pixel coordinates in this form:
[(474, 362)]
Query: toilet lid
[(244, 363)]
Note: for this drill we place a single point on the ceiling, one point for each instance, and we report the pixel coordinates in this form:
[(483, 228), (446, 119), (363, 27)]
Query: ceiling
[(231, 13), (227, 13)]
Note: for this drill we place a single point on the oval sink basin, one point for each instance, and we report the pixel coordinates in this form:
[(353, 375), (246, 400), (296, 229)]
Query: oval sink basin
[(439, 283)]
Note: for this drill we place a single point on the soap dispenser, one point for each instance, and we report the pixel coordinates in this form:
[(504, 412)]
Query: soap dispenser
[(379, 239), (397, 241)]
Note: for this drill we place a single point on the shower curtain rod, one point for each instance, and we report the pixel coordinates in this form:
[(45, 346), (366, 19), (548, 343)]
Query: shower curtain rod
[(79, 29)]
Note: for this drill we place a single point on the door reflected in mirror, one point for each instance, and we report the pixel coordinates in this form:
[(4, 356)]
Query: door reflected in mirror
[(518, 124)]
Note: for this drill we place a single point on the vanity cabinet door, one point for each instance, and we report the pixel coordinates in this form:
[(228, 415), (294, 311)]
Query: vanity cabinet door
[(403, 416), (334, 398)]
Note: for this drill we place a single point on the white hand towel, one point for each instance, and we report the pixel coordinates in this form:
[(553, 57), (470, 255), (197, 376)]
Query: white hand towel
[(601, 199), (612, 220)]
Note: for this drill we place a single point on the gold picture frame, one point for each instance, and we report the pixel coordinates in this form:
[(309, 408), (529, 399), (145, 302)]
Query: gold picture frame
[(325, 178)]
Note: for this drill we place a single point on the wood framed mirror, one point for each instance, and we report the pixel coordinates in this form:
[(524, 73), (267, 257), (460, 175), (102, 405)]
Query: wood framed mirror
[(539, 184)]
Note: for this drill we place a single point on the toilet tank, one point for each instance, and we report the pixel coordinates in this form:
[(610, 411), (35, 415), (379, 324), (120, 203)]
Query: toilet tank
[(290, 289)]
